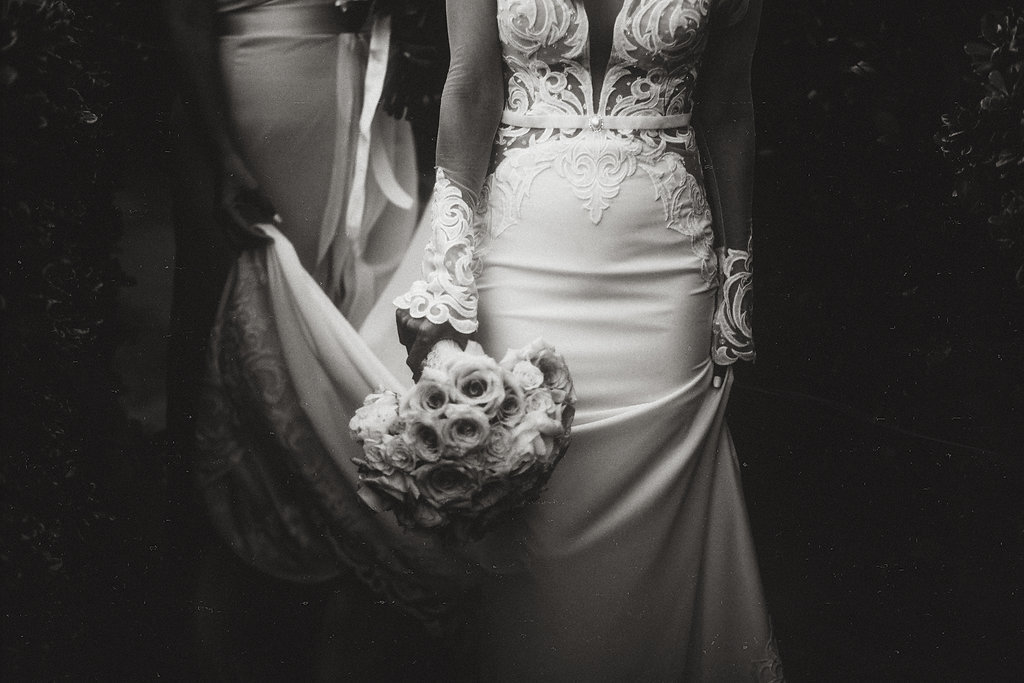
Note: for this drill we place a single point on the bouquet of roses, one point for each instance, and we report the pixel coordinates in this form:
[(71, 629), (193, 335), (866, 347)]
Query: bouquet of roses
[(472, 440)]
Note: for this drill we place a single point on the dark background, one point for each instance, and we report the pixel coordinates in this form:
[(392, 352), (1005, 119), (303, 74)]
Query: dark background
[(879, 431)]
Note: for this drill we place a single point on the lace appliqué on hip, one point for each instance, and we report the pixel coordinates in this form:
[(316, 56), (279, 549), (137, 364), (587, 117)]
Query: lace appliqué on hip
[(447, 293), (595, 164), (732, 334)]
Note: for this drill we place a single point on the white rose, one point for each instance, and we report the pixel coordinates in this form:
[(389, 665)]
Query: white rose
[(424, 435), (540, 401), (512, 408), (428, 396), (399, 454), (375, 455), (527, 375), (502, 454), (376, 417), (447, 484), (465, 428), (477, 382)]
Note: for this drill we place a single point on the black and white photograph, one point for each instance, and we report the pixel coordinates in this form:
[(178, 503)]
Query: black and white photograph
[(422, 340)]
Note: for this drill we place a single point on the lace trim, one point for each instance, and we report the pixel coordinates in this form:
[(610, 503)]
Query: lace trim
[(595, 163), (652, 69), (732, 336), (545, 46), (768, 669), (656, 50), (271, 488), (447, 293)]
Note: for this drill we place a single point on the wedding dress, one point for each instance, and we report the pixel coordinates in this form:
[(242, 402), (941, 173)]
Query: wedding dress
[(303, 83), (594, 231)]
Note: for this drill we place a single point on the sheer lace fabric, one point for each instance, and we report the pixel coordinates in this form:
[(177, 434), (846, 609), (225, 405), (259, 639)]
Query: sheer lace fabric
[(447, 293), (732, 336)]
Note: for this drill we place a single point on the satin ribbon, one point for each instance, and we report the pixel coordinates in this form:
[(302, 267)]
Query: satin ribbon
[(594, 122), (370, 155)]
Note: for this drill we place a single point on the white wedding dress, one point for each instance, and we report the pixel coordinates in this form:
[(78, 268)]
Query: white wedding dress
[(595, 234), (637, 563)]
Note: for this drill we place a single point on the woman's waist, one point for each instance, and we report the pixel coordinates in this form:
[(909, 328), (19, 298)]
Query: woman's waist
[(325, 18), (650, 145), (647, 120)]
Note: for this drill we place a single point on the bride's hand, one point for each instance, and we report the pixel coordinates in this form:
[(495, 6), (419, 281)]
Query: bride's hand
[(418, 336), (718, 375)]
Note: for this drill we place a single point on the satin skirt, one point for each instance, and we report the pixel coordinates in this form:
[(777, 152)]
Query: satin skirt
[(639, 559), (287, 366)]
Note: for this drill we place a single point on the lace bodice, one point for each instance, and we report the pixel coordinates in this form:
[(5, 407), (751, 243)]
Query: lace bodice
[(556, 107), (655, 54)]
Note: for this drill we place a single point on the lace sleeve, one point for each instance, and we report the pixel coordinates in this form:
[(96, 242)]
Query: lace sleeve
[(447, 292), (724, 117), (471, 107), (732, 334)]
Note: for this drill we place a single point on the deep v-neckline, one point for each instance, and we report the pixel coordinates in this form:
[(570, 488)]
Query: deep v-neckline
[(596, 95)]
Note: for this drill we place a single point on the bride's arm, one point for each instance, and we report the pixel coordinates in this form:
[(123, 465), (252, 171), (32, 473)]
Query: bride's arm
[(443, 304), (724, 114)]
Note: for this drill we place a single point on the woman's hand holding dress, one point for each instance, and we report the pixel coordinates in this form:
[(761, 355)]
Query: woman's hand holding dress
[(241, 203)]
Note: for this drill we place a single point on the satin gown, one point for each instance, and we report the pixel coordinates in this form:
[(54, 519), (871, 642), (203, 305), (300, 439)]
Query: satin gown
[(286, 366), (296, 92), (598, 237)]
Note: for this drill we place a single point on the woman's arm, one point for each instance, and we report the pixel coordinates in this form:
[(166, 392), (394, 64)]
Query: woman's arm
[(191, 26), (474, 93), (443, 304), (724, 115)]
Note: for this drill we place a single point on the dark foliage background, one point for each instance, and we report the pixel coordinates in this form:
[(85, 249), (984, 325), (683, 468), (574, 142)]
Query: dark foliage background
[(68, 483), (875, 286), (879, 429), (888, 390), (982, 138)]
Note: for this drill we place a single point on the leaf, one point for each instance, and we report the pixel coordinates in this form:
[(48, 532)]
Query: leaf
[(862, 68), (978, 50), (997, 80), (993, 103), (991, 26)]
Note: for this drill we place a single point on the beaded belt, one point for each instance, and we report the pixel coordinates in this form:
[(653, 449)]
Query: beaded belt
[(295, 21), (572, 122)]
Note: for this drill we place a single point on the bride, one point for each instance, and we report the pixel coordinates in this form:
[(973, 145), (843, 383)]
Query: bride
[(572, 203), (592, 155)]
